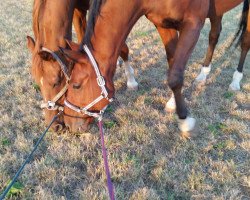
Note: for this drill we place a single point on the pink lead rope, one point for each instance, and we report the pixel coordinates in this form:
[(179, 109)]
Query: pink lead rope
[(106, 165)]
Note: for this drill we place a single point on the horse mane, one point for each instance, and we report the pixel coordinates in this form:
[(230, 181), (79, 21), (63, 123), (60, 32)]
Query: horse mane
[(38, 8), (94, 12)]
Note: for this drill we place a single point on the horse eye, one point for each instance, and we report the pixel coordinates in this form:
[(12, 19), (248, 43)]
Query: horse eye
[(56, 84), (76, 86)]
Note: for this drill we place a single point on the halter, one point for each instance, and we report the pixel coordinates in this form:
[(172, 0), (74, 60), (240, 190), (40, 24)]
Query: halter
[(51, 105), (104, 94)]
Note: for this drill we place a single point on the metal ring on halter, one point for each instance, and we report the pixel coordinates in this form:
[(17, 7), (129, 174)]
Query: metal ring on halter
[(100, 81)]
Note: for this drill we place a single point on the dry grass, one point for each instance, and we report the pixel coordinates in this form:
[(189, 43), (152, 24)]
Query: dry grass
[(148, 159)]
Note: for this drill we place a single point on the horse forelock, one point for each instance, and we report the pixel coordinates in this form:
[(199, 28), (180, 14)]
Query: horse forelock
[(94, 12)]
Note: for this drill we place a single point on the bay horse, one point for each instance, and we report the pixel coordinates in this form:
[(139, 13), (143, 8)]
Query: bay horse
[(52, 23), (244, 40), (217, 9), (109, 25)]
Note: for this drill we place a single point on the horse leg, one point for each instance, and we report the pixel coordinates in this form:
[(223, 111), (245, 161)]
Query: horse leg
[(169, 38), (79, 21), (214, 34), (238, 75), (129, 71), (188, 37)]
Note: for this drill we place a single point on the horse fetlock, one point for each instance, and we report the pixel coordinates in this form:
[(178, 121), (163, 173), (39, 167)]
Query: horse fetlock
[(186, 125), (237, 77), (132, 84), (203, 74)]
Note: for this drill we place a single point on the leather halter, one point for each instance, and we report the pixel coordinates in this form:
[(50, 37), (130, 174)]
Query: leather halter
[(104, 94), (51, 104)]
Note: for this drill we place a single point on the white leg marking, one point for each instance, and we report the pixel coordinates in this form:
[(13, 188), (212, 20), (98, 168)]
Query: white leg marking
[(186, 125), (41, 81), (171, 105), (119, 62), (131, 82), (203, 74), (235, 85)]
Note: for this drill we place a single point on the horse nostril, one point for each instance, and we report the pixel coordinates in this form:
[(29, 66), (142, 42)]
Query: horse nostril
[(58, 127), (67, 127)]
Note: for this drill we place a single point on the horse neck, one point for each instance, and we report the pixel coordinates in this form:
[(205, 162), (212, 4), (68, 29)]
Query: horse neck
[(110, 32), (55, 23)]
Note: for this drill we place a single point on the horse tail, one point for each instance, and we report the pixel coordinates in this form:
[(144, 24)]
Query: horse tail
[(243, 23)]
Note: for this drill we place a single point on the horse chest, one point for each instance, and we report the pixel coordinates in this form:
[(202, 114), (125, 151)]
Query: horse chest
[(165, 21)]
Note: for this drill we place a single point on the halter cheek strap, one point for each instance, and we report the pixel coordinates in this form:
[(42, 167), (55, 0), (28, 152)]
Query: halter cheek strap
[(101, 83), (51, 105)]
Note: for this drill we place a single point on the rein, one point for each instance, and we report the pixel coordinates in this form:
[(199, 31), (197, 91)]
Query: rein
[(29, 157), (51, 105), (85, 111)]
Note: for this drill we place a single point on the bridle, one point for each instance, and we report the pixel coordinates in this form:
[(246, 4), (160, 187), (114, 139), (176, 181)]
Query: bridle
[(52, 104), (104, 94), (85, 111)]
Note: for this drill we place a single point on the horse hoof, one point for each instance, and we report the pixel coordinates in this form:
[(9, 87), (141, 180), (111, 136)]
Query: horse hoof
[(235, 84), (186, 125), (200, 82), (234, 87), (190, 134), (132, 87), (201, 78)]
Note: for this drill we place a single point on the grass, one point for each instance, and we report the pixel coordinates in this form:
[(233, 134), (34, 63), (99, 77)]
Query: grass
[(148, 159), (15, 190)]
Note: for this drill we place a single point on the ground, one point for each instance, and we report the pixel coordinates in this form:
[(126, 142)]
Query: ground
[(147, 156)]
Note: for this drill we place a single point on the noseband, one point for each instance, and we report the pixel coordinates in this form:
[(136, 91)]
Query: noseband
[(52, 105), (104, 94)]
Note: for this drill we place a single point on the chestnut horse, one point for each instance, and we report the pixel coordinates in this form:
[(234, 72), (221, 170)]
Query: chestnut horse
[(109, 25), (217, 9), (52, 23)]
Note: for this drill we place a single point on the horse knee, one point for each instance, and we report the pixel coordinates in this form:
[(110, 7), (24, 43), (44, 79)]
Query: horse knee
[(245, 44), (175, 80), (213, 38)]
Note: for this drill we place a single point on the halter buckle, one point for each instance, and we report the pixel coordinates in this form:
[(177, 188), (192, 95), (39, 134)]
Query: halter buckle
[(100, 81), (51, 105)]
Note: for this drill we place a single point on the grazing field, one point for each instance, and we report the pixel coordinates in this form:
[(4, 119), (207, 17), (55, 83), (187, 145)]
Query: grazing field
[(148, 158)]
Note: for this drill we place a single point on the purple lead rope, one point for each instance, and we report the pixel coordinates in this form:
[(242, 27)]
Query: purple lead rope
[(106, 165)]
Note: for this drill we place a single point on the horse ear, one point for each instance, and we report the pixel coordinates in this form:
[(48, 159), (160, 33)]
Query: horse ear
[(76, 56), (73, 46), (30, 43), (46, 56)]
